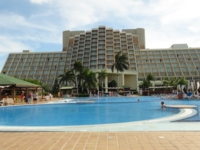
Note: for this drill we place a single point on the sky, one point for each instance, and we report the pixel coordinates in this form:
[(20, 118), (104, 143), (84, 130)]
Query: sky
[(37, 25)]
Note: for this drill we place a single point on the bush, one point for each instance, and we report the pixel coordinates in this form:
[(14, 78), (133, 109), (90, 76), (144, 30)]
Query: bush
[(82, 95)]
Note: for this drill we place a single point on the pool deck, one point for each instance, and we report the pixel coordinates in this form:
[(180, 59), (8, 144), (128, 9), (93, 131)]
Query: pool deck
[(143, 135), (99, 140)]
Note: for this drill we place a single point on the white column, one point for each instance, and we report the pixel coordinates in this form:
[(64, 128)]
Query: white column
[(97, 81), (106, 84), (122, 79)]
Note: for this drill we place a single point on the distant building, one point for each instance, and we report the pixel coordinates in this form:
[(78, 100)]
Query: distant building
[(97, 48)]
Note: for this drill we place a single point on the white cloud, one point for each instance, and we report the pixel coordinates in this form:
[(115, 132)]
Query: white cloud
[(11, 45), (11, 20), (40, 1), (165, 21)]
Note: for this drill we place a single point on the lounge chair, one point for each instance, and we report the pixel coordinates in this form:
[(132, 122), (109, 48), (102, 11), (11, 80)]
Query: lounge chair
[(2, 102), (197, 96), (189, 95)]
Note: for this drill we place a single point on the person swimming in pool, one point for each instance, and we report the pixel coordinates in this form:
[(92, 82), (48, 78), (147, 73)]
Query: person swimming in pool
[(163, 104)]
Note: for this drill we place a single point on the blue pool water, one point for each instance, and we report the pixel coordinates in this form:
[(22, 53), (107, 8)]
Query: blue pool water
[(102, 111)]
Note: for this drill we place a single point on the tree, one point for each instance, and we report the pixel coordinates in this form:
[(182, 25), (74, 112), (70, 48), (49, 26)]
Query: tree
[(170, 82), (55, 87), (150, 78), (67, 77), (120, 64), (144, 84), (102, 75), (34, 81), (78, 69), (112, 83), (89, 79), (147, 82)]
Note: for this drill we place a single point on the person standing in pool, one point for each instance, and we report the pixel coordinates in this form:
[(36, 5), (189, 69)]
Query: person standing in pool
[(163, 104)]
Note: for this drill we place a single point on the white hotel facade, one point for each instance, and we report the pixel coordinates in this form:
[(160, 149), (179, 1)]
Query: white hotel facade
[(96, 49)]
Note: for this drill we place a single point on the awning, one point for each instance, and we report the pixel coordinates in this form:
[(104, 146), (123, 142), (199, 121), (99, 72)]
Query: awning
[(7, 81), (114, 88), (160, 87), (67, 87)]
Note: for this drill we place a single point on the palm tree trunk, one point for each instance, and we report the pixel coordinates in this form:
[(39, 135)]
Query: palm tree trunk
[(117, 81), (102, 88)]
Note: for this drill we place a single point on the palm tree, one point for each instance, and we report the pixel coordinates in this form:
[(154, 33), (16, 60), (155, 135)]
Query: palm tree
[(67, 77), (78, 66), (120, 64), (89, 79), (102, 75), (150, 78), (78, 70)]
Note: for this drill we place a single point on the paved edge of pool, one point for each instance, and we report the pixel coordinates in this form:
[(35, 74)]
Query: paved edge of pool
[(161, 124)]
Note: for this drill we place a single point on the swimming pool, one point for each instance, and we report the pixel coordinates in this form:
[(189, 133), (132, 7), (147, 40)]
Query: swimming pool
[(91, 111)]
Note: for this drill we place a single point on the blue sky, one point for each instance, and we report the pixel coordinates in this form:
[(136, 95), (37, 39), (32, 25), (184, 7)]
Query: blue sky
[(37, 25)]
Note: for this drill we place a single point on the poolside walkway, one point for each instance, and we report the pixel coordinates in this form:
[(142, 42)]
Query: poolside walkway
[(99, 140)]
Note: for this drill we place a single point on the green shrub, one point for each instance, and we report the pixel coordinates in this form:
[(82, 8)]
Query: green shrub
[(82, 95)]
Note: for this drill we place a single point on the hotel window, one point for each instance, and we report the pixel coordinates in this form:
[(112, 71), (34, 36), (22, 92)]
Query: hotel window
[(101, 56), (136, 48), (67, 67), (55, 63), (190, 64), (125, 51), (57, 55), (161, 70), (46, 72), (101, 61), (61, 67), (182, 64), (184, 69), (185, 51), (166, 60), (173, 60), (154, 70), (144, 57), (171, 52), (101, 51), (192, 69), (176, 69), (161, 65), (151, 56), (93, 57), (195, 59), (93, 67), (108, 52), (29, 59), (192, 51), (109, 57), (157, 52), (87, 55), (174, 65), (137, 53), (43, 55), (110, 62), (60, 72), (109, 48)]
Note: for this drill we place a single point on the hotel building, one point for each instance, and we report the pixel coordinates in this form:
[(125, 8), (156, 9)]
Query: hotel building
[(97, 48)]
